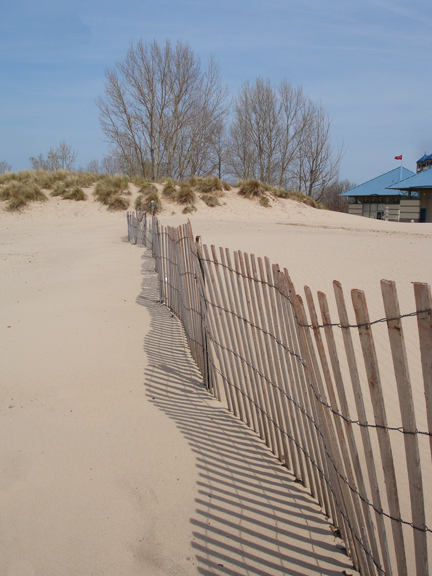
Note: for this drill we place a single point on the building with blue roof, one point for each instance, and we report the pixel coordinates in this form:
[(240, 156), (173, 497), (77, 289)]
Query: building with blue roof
[(373, 199), (399, 195), (419, 189)]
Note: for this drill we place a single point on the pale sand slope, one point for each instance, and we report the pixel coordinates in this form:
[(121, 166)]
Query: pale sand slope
[(113, 459)]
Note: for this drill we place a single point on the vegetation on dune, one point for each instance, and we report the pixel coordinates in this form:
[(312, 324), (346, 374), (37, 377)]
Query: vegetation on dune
[(255, 189), (264, 201), (147, 187), (143, 202), (250, 188), (185, 195), (207, 185), (110, 188), (118, 202), (210, 200), (189, 209), (76, 193), (19, 194), (169, 191)]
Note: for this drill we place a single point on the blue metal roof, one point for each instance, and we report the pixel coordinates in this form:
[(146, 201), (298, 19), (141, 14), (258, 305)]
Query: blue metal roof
[(378, 186), (425, 157), (422, 179)]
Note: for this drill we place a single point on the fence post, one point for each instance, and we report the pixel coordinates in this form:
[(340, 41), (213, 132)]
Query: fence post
[(374, 381), (403, 381)]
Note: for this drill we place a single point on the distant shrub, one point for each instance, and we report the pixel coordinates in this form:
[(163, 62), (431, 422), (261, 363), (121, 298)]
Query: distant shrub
[(210, 200), (213, 184), (21, 193), (110, 186), (264, 201), (147, 187), (189, 209), (118, 202), (250, 189), (76, 193), (185, 195), (169, 191), (143, 202)]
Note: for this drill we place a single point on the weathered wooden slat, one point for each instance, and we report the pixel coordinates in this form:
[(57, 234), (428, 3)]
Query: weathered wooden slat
[(370, 542), (374, 381), (423, 299), (288, 357), (406, 403)]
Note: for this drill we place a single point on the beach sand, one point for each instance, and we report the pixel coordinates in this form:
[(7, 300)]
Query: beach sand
[(114, 458)]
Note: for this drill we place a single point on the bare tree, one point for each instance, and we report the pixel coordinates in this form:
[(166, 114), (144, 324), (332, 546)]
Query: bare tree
[(61, 158), (279, 136), (65, 155), (317, 163), (160, 109), (5, 167), (331, 195)]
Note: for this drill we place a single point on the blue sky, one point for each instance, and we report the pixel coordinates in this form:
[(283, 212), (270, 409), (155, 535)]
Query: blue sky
[(369, 62)]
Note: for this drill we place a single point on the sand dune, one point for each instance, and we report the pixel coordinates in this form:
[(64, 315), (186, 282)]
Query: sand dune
[(114, 460)]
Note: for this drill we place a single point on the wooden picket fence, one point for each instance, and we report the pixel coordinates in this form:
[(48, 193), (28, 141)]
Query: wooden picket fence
[(311, 388)]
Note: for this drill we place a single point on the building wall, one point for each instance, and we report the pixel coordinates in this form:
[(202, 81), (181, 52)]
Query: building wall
[(409, 210), (356, 209), (427, 203), (393, 212)]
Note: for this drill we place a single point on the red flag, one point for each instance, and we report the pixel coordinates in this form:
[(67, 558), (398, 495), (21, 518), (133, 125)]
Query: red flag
[(398, 157)]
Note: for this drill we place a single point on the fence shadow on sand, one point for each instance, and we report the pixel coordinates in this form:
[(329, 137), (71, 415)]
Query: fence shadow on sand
[(251, 517)]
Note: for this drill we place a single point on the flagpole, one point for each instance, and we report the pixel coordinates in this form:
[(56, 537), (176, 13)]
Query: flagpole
[(400, 175)]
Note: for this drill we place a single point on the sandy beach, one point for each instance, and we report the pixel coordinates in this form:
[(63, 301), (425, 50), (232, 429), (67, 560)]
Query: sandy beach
[(114, 459)]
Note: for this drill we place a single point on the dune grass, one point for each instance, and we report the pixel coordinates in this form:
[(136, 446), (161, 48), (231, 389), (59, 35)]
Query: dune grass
[(19, 194), (250, 189), (118, 202), (189, 209), (185, 195), (77, 193), (169, 191), (110, 190), (147, 187), (143, 202), (207, 185), (210, 200), (264, 201)]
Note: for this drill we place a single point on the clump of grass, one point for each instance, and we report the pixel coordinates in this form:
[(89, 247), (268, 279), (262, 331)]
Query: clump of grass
[(185, 195), (143, 202), (189, 209), (251, 189), (76, 193), (210, 200), (169, 191), (264, 201), (20, 193), (298, 196), (118, 202), (48, 180), (109, 187), (147, 187), (207, 185)]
